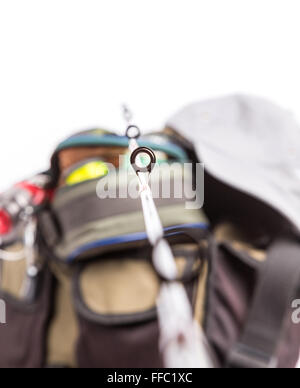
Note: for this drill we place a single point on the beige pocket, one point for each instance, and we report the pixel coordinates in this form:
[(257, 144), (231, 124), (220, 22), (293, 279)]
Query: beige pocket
[(13, 275), (119, 286), (230, 234)]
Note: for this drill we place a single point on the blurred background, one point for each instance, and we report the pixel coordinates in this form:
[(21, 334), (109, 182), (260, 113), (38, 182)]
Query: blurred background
[(69, 64)]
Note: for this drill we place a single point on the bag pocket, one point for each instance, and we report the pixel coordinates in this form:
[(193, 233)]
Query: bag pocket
[(115, 300), (23, 334)]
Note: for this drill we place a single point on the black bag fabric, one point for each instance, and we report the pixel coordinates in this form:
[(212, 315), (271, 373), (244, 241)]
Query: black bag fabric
[(23, 337), (234, 284)]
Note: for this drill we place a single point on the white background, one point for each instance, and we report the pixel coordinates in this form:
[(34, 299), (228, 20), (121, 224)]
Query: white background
[(69, 64)]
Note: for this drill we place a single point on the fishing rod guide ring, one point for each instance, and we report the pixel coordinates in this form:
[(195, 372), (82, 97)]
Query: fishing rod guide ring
[(150, 166), (133, 132)]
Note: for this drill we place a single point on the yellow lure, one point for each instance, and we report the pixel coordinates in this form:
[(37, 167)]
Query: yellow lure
[(89, 171)]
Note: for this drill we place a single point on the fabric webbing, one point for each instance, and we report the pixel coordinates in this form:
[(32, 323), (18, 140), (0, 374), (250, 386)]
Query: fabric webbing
[(277, 286)]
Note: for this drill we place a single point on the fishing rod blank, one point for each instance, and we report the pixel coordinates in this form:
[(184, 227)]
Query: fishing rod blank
[(182, 341)]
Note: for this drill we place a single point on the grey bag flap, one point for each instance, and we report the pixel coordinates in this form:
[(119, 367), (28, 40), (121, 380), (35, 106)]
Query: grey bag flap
[(249, 144)]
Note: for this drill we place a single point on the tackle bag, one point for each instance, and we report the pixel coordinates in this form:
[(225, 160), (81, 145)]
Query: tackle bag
[(95, 298), (101, 301)]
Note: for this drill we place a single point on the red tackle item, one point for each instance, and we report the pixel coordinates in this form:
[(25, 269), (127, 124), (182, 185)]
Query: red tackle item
[(39, 195), (5, 222)]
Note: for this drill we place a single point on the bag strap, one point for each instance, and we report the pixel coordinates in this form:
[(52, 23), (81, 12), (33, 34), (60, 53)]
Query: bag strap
[(277, 285)]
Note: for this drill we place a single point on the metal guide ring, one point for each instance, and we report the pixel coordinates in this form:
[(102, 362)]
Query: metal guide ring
[(138, 132), (139, 151)]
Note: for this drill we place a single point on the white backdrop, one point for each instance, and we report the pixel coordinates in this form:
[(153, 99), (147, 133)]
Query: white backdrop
[(69, 64)]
